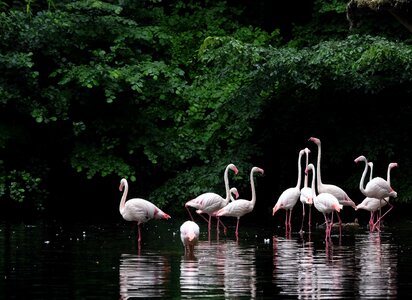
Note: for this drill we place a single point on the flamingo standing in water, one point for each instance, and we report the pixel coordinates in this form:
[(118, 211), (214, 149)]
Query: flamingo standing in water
[(211, 202), (189, 234), (241, 207), (325, 203), (335, 190), (386, 199), (370, 204), (306, 194), (138, 210), (289, 197), (377, 188)]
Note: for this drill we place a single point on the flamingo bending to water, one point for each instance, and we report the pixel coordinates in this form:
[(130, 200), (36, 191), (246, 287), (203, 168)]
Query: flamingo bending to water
[(325, 203), (189, 234), (138, 210)]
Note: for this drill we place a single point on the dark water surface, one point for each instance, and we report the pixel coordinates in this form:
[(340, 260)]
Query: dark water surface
[(90, 261)]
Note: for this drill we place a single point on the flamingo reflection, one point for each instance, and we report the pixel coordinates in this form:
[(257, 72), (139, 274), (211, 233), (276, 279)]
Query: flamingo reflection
[(377, 276), (143, 276), (225, 270), (300, 271)]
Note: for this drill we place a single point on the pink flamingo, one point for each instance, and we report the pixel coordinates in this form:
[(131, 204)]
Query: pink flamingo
[(374, 204), (241, 207), (377, 187), (386, 199), (306, 194), (325, 203), (289, 198), (210, 202), (370, 204), (336, 191), (189, 234), (138, 210)]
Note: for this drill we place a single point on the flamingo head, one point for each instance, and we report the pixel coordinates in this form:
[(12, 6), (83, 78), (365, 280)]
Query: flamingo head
[(315, 140), (307, 151), (123, 182), (360, 158), (277, 207), (233, 168), (393, 165), (235, 192)]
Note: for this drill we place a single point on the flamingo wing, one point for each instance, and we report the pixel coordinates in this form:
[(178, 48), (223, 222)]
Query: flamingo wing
[(237, 208)]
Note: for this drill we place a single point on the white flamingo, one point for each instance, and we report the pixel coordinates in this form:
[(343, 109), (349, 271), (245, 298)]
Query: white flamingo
[(189, 234), (289, 197), (241, 207), (325, 203), (210, 202), (138, 210), (306, 194), (377, 187)]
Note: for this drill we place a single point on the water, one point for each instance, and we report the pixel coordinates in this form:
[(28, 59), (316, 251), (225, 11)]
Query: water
[(54, 260)]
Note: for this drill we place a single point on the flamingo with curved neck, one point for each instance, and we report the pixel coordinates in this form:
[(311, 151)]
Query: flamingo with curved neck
[(241, 207), (325, 203), (289, 197), (336, 191), (138, 210), (377, 187), (211, 202), (306, 194)]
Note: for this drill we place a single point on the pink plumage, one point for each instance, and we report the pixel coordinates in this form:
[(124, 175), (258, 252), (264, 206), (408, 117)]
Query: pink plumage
[(138, 210), (241, 207)]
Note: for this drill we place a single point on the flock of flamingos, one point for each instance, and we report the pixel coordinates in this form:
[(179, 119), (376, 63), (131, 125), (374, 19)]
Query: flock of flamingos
[(327, 199)]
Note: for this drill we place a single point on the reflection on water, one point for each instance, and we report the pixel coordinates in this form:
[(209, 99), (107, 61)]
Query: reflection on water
[(377, 277), (62, 261), (143, 276), (368, 271), (222, 269)]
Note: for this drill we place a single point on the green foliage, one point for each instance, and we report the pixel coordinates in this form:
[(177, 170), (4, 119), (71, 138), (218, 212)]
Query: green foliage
[(179, 91)]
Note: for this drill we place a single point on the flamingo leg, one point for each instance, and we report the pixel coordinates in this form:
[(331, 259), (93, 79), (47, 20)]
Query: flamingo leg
[(326, 227), (224, 227), (381, 217), (237, 228), (190, 214), (310, 217)]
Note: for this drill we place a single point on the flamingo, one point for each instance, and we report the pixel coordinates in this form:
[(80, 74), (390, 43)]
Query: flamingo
[(289, 197), (211, 202), (377, 187), (306, 194), (189, 234), (234, 194), (373, 204), (370, 204), (241, 207), (138, 210), (386, 199), (336, 191), (326, 203)]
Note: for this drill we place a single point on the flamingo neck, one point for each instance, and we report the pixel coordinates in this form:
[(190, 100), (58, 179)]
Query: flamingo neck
[(299, 170), (313, 185), (365, 170), (388, 175), (318, 177), (306, 175), (123, 200), (226, 179), (252, 186)]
